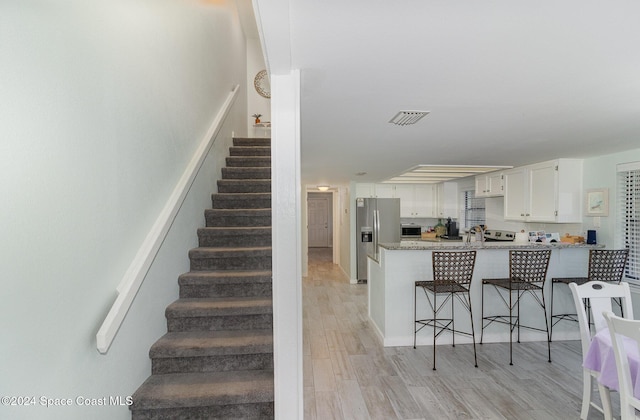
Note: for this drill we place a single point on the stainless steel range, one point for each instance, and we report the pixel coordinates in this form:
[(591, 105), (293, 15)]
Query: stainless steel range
[(499, 235)]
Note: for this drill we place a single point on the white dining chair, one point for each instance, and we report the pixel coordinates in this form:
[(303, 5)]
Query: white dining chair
[(600, 296), (620, 328)]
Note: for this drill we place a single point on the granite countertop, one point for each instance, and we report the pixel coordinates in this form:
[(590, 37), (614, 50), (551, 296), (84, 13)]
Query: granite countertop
[(436, 244)]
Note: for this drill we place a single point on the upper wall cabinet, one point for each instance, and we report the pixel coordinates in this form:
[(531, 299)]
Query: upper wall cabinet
[(447, 199), (416, 200), (544, 192), (385, 190), (490, 185), (366, 190)]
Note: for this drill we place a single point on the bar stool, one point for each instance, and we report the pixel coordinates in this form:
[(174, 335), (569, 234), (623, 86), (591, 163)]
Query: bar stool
[(527, 275), (452, 273), (605, 265)]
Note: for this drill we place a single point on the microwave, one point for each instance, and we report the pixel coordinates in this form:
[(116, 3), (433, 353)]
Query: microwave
[(411, 231)]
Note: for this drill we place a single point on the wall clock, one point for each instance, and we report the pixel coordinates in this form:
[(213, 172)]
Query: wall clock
[(262, 84)]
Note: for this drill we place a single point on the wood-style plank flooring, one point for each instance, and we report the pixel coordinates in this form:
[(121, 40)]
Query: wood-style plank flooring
[(349, 375)]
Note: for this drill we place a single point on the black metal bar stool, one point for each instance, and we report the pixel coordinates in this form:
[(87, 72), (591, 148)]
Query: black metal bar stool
[(527, 275), (605, 265), (452, 273)]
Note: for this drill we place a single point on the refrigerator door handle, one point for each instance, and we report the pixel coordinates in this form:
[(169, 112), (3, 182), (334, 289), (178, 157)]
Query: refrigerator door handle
[(376, 230)]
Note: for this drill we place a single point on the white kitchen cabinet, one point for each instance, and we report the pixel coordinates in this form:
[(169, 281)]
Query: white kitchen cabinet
[(416, 200), (365, 190), (544, 192), (514, 194), (370, 190), (447, 200), (385, 190), (490, 185)]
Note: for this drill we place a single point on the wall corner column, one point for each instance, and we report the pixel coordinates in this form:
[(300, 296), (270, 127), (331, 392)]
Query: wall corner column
[(286, 243)]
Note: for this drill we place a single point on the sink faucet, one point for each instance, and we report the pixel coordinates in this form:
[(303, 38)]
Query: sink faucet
[(476, 229)]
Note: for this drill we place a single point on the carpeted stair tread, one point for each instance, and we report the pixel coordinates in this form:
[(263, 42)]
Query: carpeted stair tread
[(203, 389), (225, 283), (250, 151), (246, 172), (248, 236), (212, 343), (238, 217), (244, 186), (230, 258), (260, 182), (248, 161), (241, 200), (241, 212), (242, 196), (202, 307), (226, 276), (237, 230), (209, 252), (252, 141), (246, 196)]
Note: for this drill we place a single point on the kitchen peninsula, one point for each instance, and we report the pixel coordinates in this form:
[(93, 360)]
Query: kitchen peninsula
[(397, 266)]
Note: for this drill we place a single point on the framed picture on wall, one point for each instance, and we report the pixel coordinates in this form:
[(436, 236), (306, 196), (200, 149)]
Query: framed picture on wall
[(597, 202)]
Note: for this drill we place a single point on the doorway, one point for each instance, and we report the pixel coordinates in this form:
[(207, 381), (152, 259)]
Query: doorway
[(320, 220)]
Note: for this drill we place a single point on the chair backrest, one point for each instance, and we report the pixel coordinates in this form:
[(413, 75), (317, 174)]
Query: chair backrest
[(619, 328), (599, 295), (607, 264), (529, 266), (453, 266)]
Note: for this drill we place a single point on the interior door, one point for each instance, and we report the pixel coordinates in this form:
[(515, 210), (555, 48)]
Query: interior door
[(318, 222)]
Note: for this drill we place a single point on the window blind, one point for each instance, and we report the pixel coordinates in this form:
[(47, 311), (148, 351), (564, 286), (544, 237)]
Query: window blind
[(474, 209), (628, 203)]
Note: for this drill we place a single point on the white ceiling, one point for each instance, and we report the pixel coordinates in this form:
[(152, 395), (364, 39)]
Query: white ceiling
[(506, 82)]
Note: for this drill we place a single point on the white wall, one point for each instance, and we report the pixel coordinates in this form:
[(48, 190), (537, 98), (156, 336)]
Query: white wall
[(256, 104), (102, 106), (600, 172), (344, 237), (287, 244)]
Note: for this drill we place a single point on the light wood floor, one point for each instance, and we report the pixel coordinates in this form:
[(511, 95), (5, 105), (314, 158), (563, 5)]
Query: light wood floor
[(349, 375)]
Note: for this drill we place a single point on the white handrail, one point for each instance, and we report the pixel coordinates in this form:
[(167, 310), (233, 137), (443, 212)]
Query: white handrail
[(135, 274)]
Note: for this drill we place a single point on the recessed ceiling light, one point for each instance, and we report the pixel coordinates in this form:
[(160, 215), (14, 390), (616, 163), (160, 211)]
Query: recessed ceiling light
[(407, 117), (323, 187)]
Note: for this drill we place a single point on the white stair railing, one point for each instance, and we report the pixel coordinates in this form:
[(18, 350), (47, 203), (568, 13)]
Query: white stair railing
[(135, 274)]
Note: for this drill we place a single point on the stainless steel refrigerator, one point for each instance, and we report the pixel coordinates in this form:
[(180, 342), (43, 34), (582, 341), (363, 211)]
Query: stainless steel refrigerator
[(377, 220)]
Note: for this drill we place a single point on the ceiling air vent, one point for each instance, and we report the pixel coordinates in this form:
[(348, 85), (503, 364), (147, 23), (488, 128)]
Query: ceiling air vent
[(407, 117)]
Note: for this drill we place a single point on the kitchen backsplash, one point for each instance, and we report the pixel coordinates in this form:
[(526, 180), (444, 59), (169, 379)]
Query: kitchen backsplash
[(494, 213)]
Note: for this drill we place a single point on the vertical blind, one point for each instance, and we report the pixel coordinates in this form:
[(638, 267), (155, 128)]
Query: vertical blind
[(629, 215), (474, 210)]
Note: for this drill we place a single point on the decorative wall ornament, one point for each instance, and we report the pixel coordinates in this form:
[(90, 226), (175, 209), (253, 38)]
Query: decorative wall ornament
[(262, 84), (597, 202)]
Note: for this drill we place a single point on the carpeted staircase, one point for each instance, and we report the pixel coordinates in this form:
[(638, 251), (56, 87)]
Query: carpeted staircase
[(216, 361)]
